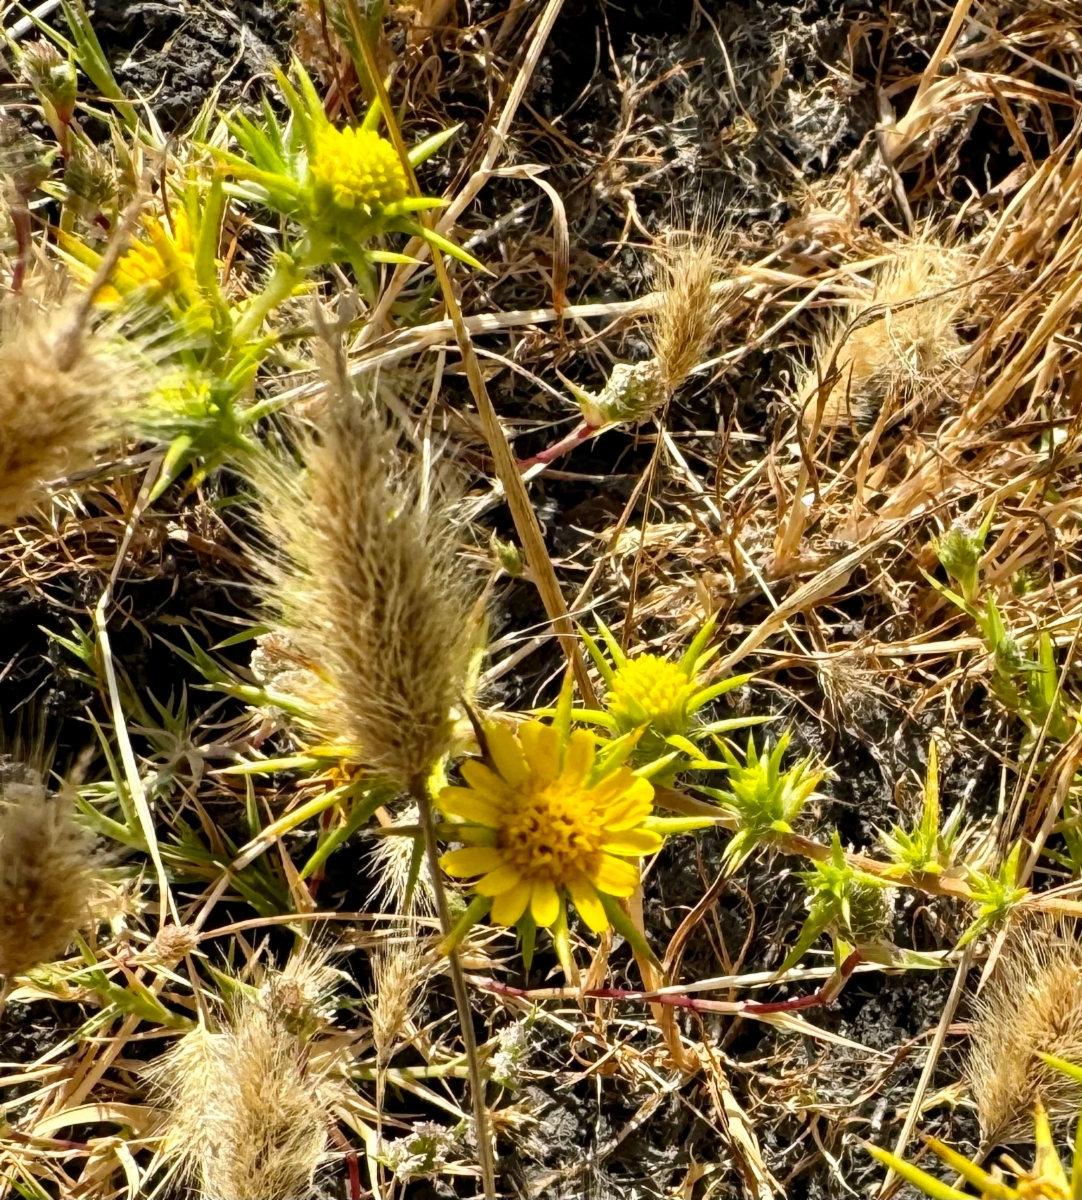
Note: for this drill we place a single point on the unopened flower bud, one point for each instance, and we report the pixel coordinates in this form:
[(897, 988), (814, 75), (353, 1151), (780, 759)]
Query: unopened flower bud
[(53, 79), (509, 556)]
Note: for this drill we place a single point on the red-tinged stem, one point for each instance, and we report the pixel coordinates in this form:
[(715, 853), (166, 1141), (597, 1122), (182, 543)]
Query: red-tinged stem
[(579, 434), (751, 1008), (20, 222)]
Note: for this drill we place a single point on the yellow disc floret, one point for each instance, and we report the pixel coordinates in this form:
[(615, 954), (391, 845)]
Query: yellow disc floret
[(550, 826), (357, 171), (160, 265), (651, 690)]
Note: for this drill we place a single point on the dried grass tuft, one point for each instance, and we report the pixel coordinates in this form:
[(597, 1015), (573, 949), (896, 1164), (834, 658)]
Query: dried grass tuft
[(47, 872), (390, 864), (247, 1116), (904, 352), (687, 322), (1031, 1005), (58, 402), (398, 972), (375, 595)]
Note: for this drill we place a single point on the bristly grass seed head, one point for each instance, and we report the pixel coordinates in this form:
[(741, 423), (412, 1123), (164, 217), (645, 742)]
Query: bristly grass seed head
[(47, 872), (247, 1115), (56, 409), (375, 595), (1031, 1005), (896, 347)]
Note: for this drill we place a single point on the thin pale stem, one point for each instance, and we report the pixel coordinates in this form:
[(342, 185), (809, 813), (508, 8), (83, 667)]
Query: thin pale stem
[(462, 995)]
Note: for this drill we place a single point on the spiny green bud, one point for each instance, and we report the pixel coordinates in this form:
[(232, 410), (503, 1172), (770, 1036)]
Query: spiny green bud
[(52, 76), (871, 913), (959, 551), (633, 393), (89, 177), (508, 555)]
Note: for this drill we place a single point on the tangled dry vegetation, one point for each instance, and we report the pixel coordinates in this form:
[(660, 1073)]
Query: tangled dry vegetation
[(541, 606)]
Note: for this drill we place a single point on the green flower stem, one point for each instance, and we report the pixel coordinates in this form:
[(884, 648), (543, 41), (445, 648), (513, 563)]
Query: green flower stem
[(933, 884), (419, 792), (284, 279)]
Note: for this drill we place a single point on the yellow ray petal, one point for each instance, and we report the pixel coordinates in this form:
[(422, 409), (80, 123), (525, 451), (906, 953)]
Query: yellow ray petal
[(632, 841), (472, 860), (485, 781), (585, 898), (614, 876), (629, 809), (580, 758), (501, 879), (510, 905), (506, 753), (544, 903), (541, 745), (468, 805), (612, 787)]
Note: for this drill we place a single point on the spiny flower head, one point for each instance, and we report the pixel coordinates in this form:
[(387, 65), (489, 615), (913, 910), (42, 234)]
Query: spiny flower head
[(763, 798), (356, 172), (551, 819), (161, 262), (659, 697), (344, 187)]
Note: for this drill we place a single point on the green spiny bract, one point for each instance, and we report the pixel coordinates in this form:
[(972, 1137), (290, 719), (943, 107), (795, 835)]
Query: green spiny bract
[(344, 187), (764, 799)]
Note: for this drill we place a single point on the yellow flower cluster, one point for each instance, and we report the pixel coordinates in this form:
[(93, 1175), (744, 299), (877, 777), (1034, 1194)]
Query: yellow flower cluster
[(649, 690), (548, 823), (155, 267), (356, 170)]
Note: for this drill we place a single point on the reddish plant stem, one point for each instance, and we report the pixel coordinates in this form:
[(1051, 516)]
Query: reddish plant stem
[(579, 434)]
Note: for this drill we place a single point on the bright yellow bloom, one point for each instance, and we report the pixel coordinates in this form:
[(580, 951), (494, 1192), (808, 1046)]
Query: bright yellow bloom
[(356, 170), (649, 690), (549, 823), (162, 264)]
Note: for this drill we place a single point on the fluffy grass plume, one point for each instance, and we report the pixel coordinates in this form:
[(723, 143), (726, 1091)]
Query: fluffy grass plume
[(398, 971), (1032, 1005), (686, 323), (688, 266), (246, 1116), (375, 595), (58, 402), (391, 867), (897, 346), (47, 872)]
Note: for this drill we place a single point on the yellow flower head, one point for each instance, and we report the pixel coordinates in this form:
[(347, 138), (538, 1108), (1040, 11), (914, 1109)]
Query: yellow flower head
[(357, 171), (549, 822), (649, 690), (162, 264), (659, 698)]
